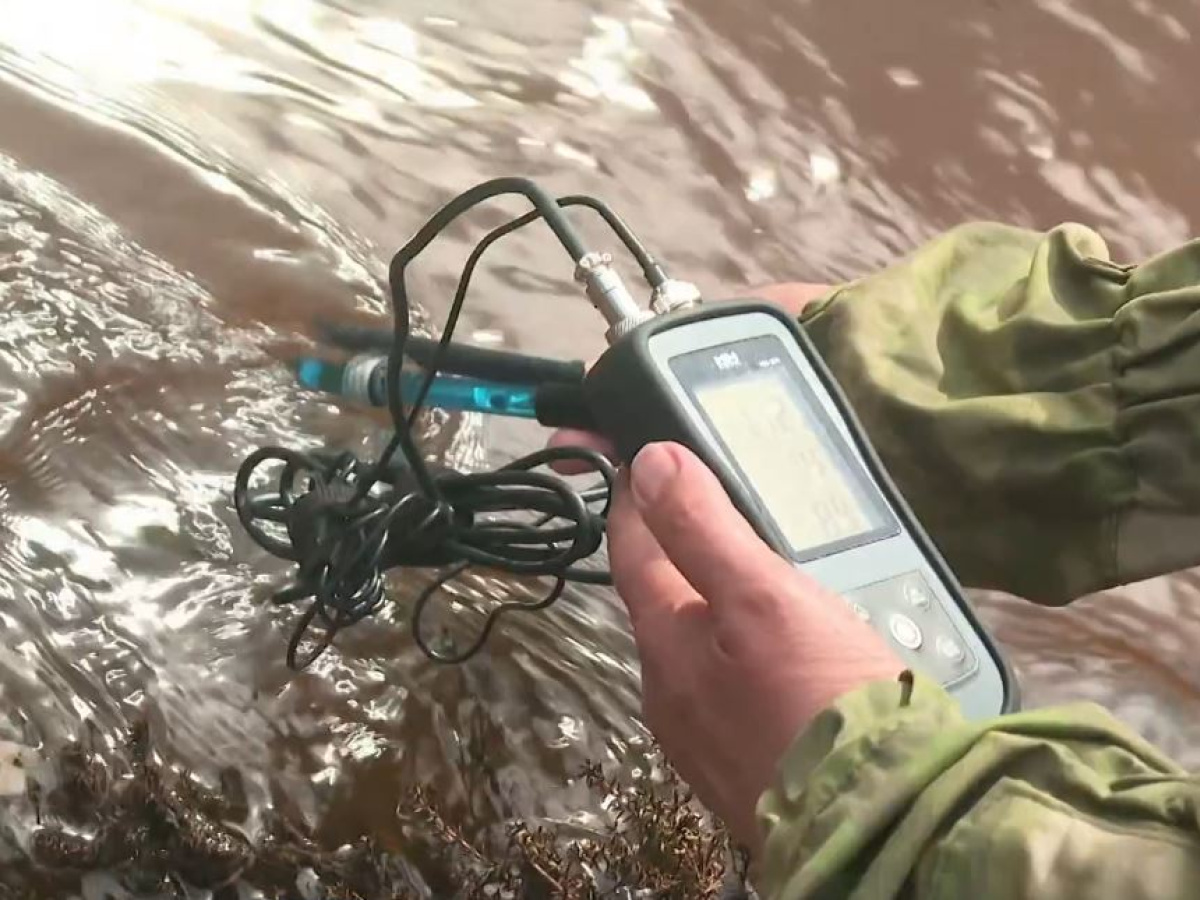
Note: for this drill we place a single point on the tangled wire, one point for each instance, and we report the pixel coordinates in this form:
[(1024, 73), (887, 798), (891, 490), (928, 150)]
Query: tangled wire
[(344, 522)]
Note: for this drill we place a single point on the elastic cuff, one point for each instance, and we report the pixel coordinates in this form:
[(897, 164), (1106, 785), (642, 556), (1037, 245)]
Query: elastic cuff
[(850, 752)]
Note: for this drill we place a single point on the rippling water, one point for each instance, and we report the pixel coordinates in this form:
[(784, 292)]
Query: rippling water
[(184, 186)]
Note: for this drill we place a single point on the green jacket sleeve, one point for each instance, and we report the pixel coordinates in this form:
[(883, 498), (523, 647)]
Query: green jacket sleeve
[(892, 794), (1056, 390)]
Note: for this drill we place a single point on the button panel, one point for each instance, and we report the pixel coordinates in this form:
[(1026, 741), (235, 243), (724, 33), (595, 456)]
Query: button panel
[(910, 616), (916, 595), (950, 649), (906, 632)]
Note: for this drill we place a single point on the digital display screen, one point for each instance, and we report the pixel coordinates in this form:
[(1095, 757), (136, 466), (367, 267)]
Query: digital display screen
[(773, 428)]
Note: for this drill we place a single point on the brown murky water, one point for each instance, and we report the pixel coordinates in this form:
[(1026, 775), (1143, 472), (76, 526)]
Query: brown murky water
[(184, 186)]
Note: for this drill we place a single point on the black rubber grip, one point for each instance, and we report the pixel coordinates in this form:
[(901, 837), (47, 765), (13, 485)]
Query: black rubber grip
[(563, 406)]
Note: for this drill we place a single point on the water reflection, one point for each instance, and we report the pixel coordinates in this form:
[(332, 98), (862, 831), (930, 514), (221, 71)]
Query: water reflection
[(186, 186)]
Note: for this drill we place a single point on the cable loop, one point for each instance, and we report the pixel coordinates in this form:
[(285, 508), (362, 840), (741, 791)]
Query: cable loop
[(344, 522)]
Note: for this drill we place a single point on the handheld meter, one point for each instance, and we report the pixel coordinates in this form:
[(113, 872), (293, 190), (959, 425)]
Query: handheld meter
[(741, 385), (738, 383)]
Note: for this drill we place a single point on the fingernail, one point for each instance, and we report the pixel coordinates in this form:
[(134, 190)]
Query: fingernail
[(651, 472)]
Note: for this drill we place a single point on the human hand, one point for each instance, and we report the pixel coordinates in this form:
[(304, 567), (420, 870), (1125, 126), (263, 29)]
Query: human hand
[(739, 651)]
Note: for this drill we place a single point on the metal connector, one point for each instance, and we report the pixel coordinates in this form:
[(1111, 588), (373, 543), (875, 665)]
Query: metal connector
[(356, 377), (672, 295), (609, 295)]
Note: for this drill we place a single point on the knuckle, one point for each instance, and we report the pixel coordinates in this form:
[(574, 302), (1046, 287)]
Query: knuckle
[(765, 596), (678, 510), (740, 639), (754, 615)]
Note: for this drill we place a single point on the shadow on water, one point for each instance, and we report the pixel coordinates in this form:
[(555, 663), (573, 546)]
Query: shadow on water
[(182, 191)]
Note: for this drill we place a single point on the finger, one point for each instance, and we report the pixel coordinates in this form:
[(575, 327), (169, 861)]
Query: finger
[(659, 599), (710, 543), (570, 437)]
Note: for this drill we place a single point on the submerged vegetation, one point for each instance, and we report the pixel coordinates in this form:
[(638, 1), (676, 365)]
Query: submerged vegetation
[(160, 832)]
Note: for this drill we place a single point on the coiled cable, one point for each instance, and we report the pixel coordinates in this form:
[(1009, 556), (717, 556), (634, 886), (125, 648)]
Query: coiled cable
[(344, 522)]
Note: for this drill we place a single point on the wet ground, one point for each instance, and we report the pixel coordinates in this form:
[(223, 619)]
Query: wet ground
[(184, 187)]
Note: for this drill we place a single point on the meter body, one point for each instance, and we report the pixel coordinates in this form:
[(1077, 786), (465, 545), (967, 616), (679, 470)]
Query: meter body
[(741, 385)]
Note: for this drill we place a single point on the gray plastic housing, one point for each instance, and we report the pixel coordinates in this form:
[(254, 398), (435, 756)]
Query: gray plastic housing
[(894, 577)]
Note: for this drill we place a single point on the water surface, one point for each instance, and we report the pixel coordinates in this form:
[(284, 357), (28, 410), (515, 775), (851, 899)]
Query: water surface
[(184, 187)]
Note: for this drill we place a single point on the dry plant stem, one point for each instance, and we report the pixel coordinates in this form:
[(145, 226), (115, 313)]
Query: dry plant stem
[(158, 829)]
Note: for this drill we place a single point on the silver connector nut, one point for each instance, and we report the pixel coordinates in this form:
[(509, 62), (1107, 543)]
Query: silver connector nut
[(672, 295), (589, 263), (356, 377), (608, 294), (618, 330)]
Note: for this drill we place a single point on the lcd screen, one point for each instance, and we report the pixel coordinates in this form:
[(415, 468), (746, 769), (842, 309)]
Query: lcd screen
[(770, 424)]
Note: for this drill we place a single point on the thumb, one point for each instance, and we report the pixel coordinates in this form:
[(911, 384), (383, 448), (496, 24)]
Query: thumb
[(691, 516)]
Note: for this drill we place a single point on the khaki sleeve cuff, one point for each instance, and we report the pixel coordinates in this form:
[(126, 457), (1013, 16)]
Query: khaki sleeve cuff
[(845, 776)]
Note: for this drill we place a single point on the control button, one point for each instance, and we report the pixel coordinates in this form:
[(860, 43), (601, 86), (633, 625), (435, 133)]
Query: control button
[(861, 611), (950, 649), (916, 595), (906, 632)]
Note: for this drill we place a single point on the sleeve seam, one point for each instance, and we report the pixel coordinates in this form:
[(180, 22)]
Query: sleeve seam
[(1148, 827), (938, 868)]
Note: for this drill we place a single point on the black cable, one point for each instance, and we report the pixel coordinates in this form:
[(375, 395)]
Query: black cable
[(401, 324), (650, 269), (493, 364), (344, 522)]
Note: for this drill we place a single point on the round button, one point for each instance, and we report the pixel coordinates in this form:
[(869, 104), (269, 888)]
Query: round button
[(906, 632), (950, 649), (916, 595), (861, 611)]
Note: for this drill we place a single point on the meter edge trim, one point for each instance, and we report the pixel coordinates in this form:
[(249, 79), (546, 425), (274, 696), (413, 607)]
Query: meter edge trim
[(632, 419), (693, 357)]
